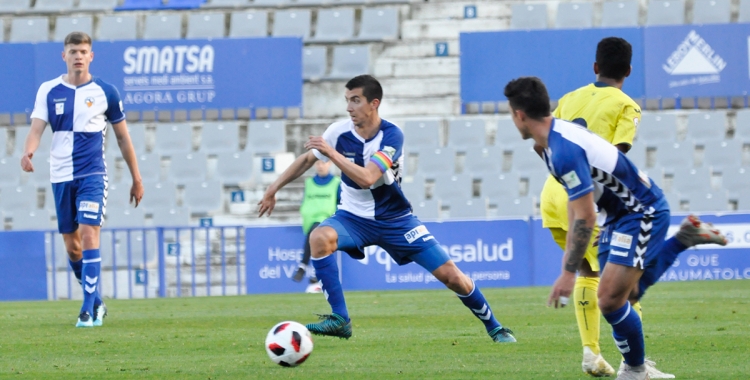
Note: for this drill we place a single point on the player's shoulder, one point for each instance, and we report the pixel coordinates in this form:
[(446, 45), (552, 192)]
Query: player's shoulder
[(50, 84), (338, 128), (390, 128), (567, 132), (105, 86), (622, 98)]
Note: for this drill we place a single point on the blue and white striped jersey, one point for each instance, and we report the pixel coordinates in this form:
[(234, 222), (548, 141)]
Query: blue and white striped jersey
[(78, 117), (384, 199), (584, 162)]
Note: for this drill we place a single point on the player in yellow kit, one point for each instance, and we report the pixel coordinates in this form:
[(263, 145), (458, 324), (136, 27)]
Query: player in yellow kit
[(604, 109)]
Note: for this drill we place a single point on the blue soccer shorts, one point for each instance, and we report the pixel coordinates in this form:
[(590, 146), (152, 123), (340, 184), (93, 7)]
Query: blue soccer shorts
[(80, 201), (634, 239), (405, 239)]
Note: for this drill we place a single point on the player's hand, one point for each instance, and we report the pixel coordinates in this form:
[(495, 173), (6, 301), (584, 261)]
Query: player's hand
[(562, 289), (267, 204), (26, 164), (136, 192), (320, 144)]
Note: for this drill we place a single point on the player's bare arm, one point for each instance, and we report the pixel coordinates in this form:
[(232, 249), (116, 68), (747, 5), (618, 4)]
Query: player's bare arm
[(583, 218), (128, 154), (362, 176), (302, 164), (32, 143)]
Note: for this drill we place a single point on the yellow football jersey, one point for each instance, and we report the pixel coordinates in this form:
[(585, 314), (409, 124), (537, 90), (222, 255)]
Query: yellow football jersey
[(604, 110)]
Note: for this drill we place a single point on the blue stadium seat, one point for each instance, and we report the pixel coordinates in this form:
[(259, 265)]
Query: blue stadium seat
[(160, 194), (574, 15), (248, 24), (528, 16), (270, 3), (666, 12), (619, 14), (19, 198), (171, 216), (434, 161), (422, 134), (127, 217), (183, 4), (118, 196), (203, 197), (225, 3), (14, 6), (234, 168), (691, 180), (34, 29), (334, 25), (97, 5), (132, 5), (711, 12), (117, 27), (714, 201), (522, 207), (292, 23), (150, 166), (31, 220), (414, 191), (742, 124), (67, 24), (452, 188), (163, 27), (205, 25), (734, 179), (525, 158), (466, 134), (379, 24), (266, 136), (350, 61), (173, 138), (722, 154), (10, 174), (506, 134), (314, 62), (675, 155), (502, 185)]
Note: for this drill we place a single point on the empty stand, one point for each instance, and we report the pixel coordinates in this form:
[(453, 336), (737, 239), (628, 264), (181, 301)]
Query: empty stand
[(117, 27), (433, 161), (32, 220), (266, 136), (96, 5), (173, 138), (742, 126), (675, 155), (619, 14), (4, 142), (248, 24), (666, 12), (574, 15), (32, 29), (163, 27), (484, 161), (205, 25), (335, 25), (715, 201), (53, 5), (427, 209), (722, 153), (469, 209), (10, 172), (637, 154), (292, 23), (14, 6), (203, 197), (225, 3), (44, 144), (452, 188), (507, 133), (220, 136), (379, 24), (414, 191), (137, 134), (422, 134), (744, 11), (150, 166), (711, 12), (501, 186), (171, 217), (735, 179), (314, 62), (465, 134), (707, 126), (159, 195), (127, 217), (40, 177), (657, 128), (691, 180), (118, 196), (20, 198), (67, 24), (525, 158), (188, 167), (528, 16), (515, 208), (140, 5), (350, 61), (233, 168)]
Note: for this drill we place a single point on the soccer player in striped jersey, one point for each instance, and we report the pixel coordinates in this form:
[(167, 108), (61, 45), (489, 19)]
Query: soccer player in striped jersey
[(636, 216), (373, 210), (77, 106)]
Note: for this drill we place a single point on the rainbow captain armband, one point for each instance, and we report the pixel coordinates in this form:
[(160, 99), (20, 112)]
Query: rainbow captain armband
[(382, 160)]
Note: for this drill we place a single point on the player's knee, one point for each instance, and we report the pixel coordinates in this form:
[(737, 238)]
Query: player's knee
[(454, 279), (323, 241), (609, 302), (90, 238)]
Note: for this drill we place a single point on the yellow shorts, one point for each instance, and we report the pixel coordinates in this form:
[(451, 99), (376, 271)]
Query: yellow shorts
[(554, 209)]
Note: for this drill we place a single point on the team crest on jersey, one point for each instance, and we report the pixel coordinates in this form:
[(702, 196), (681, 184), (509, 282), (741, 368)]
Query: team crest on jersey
[(89, 101), (571, 179)]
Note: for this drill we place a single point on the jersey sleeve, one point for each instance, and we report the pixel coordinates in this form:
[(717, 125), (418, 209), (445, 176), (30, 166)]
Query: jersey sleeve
[(627, 125), (558, 110), (41, 111), (390, 149), (114, 111), (573, 171), (329, 136)]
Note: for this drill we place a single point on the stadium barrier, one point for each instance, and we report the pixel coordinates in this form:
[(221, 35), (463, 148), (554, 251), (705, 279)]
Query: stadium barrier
[(234, 260), (236, 75), (669, 62)]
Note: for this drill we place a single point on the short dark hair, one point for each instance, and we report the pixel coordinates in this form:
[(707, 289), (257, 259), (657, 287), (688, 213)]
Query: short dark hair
[(613, 55), (77, 38), (370, 86), (529, 95)]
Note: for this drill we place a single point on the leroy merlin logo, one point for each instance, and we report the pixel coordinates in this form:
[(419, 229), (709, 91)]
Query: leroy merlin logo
[(694, 56)]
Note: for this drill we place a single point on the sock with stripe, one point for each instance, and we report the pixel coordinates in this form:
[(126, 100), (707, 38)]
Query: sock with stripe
[(586, 305), (327, 272), (90, 273), (628, 333), (666, 256), (77, 267), (478, 305)]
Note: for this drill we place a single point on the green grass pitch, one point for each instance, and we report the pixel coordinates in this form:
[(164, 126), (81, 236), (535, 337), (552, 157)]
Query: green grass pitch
[(698, 330)]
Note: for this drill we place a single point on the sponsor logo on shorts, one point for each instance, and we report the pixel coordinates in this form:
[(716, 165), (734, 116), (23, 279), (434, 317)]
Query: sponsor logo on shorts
[(89, 207), (621, 240), (618, 253), (428, 238), (90, 216), (416, 233)]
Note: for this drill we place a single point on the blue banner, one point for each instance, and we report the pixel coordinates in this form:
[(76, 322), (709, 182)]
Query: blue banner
[(272, 256), (23, 260), (169, 75), (697, 60), (563, 59)]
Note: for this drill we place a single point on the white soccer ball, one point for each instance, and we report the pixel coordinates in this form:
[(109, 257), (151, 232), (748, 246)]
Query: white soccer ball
[(289, 344)]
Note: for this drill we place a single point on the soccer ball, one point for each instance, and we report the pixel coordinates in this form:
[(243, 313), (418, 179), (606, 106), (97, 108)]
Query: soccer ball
[(289, 344)]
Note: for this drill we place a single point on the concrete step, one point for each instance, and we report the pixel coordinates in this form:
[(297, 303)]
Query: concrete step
[(418, 49), (417, 67), (448, 29), (419, 88), (394, 108), (455, 9)]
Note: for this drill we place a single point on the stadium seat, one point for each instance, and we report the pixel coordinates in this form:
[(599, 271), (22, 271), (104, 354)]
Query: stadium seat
[(171, 217), (743, 201), (225, 3), (715, 201), (657, 174), (174, 138), (314, 62), (266, 136), (14, 6), (485, 161), (31, 220), (528, 16), (534, 181), (4, 141), (40, 177), (379, 24), (744, 11), (619, 14), (220, 136), (10, 172), (711, 12), (675, 155), (20, 198), (707, 126), (637, 154), (742, 124), (203, 197), (160, 195), (248, 24), (503, 185), (53, 5), (350, 61), (466, 134), (29, 29), (96, 5), (414, 190), (137, 134), (205, 25), (690, 180), (162, 27), (666, 12), (735, 179), (422, 134), (67, 24), (433, 161), (150, 166), (334, 25), (506, 134), (470, 209), (118, 195), (117, 27), (515, 207), (525, 158), (132, 5), (183, 4), (657, 128), (234, 168), (292, 23), (452, 188), (574, 15), (127, 217), (720, 154), (427, 209), (270, 3), (44, 144), (188, 167)]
